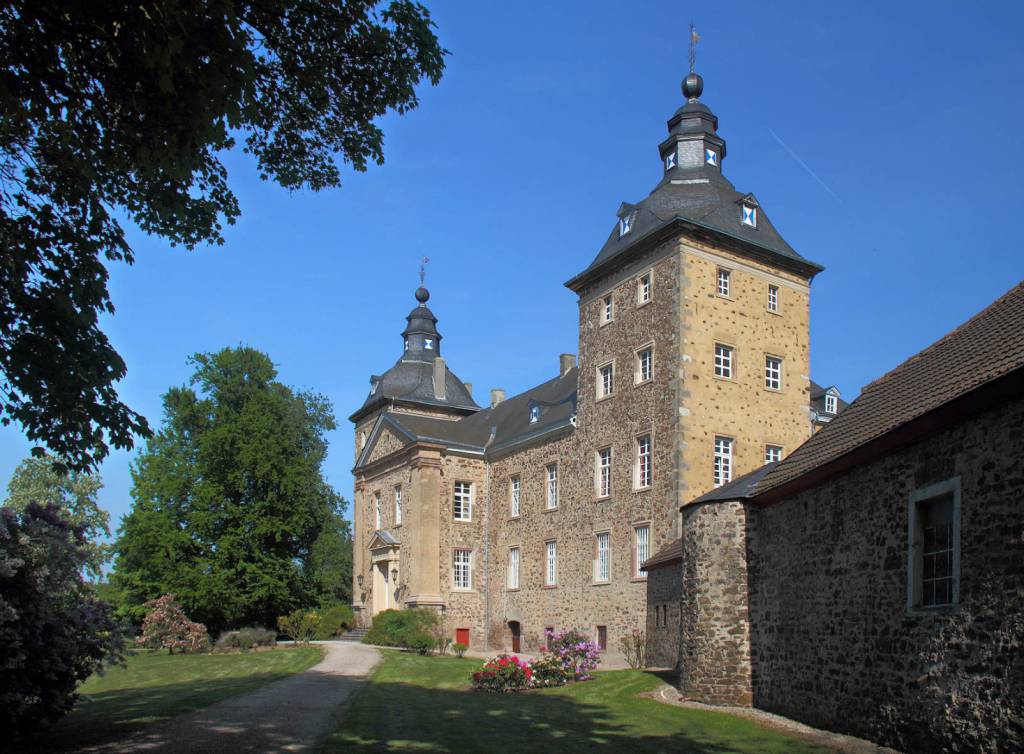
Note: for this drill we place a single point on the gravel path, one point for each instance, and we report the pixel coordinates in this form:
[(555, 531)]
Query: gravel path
[(291, 715)]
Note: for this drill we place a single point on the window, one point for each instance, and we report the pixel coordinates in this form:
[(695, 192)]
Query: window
[(551, 563), (463, 501), (626, 223), (772, 453), (514, 491), (723, 460), (604, 472), (552, 471), (644, 365), (462, 575), (606, 380), (643, 461), (607, 309), (748, 215), (934, 536), (602, 565), (513, 568), (670, 160), (534, 414), (711, 157), (773, 298), (428, 343), (724, 280), (377, 512), (398, 505), (773, 372), (723, 361), (643, 288), (641, 549), (831, 404)]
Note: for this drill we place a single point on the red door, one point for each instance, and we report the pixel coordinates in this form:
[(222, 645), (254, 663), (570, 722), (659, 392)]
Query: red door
[(514, 628), (462, 636)]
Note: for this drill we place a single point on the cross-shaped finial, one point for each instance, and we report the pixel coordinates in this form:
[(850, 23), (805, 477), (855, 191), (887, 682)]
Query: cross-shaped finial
[(423, 269), (694, 39)]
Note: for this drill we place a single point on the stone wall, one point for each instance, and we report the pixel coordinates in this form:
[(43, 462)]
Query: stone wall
[(664, 591), (834, 643)]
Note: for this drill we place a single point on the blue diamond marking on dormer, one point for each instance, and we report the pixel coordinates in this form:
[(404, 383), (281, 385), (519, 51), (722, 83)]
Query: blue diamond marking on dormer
[(670, 160), (749, 216), (711, 157), (626, 224), (428, 343)]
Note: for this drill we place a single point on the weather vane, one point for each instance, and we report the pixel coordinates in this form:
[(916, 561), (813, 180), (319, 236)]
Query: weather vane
[(423, 269), (694, 39)]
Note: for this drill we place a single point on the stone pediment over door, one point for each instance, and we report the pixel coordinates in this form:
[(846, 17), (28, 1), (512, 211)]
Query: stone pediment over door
[(383, 546)]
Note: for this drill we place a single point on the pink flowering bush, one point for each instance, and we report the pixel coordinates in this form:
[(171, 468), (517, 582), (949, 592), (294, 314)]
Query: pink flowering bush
[(503, 673), (575, 654), (166, 626)]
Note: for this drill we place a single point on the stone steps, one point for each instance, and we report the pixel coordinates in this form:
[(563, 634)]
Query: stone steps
[(355, 634)]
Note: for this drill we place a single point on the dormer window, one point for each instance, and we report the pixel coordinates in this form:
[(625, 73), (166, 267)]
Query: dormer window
[(748, 215), (670, 160), (711, 157), (534, 414), (626, 223), (428, 343), (831, 404), (406, 344)]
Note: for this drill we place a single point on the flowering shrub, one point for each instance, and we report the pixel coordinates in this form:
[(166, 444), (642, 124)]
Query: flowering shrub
[(549, 671), (577, 656), (166, 626), (300, 624), (504, 673)]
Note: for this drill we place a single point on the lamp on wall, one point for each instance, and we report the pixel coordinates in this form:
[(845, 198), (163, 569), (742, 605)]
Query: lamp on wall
[(359, 580), (394, 575)]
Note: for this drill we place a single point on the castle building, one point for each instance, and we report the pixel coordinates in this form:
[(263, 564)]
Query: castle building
[(538, 511)]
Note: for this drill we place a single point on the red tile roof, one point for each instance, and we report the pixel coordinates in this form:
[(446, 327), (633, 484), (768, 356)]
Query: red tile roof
[(988, 346)]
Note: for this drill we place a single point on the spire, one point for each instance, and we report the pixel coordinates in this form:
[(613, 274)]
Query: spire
[(422, 341)]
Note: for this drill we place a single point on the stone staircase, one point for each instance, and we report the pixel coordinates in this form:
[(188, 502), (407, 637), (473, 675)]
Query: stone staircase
[(355, 634)]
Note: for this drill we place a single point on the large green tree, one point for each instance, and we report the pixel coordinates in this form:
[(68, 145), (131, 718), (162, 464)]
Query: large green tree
[(230, 501), (45, 481), (123, 109)]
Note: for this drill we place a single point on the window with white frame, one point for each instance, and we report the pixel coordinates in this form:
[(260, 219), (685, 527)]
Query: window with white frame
[(378, 514), (934, 536), (723, 361), (641, 549), (552, 475), (398, 504), (513, 568), (603, 562), (643, 288), (773, 372), (643, 461), (723, 460), (644, 364), (773, 298), (463, 501), (514, 491), (604, 472), (831, 404), (550, 563), (607, 309), (462, 569), (772, 453), (724, 281), (606, 380)]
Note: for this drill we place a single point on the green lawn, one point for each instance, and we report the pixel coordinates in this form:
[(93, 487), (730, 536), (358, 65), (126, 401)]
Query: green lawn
[(425, 703), (158, 686)]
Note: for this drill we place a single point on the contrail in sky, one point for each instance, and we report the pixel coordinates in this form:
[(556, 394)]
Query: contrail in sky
[(806, 166)]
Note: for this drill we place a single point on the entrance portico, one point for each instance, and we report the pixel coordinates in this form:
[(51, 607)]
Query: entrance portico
[(384, 552)]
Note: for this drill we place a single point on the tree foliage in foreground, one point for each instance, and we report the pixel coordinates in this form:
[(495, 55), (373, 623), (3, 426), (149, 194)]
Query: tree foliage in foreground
[(229, 498), (119, 109), (43, 480), (54, 632)]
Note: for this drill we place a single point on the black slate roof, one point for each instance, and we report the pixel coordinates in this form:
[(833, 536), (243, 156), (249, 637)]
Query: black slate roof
[(413, 381), (738, 489), (818, 399)]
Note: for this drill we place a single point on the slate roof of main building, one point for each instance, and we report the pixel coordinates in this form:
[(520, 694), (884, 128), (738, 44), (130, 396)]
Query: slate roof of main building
[(987, 347)]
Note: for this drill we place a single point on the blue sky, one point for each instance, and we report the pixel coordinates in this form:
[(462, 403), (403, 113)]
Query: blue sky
[(883, 140)]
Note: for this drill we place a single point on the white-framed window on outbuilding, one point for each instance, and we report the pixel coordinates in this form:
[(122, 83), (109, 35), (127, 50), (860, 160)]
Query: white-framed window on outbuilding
[(933, 535), (831, 404), (462, 501)]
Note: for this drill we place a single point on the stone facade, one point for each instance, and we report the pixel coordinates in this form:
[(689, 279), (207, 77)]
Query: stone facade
[(664, 597)]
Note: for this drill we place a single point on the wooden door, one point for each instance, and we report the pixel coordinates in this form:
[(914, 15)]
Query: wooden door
[(602, 638), (516, 631), (462, 636)]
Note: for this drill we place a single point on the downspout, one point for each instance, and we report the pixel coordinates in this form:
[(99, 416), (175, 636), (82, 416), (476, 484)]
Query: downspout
[(487, 542)]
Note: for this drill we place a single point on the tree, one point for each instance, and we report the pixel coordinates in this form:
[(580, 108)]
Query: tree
[(44, 480), (167, 627), (122, 109), (229, 496), (329, 567), (54, 633)]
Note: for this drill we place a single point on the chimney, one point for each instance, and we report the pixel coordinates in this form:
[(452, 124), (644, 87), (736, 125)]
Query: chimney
[(469, 388), (439, 371), (566, 362), (497, 396)]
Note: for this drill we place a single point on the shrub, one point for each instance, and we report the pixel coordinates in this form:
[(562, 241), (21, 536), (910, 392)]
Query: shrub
[(549, 670), (246, 638), (578, 655), (396, 628), (634, 647), (335, 621), (422, 643), (167, 627), (300, 625), (54, 633), (459, 648), (502, 674)]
